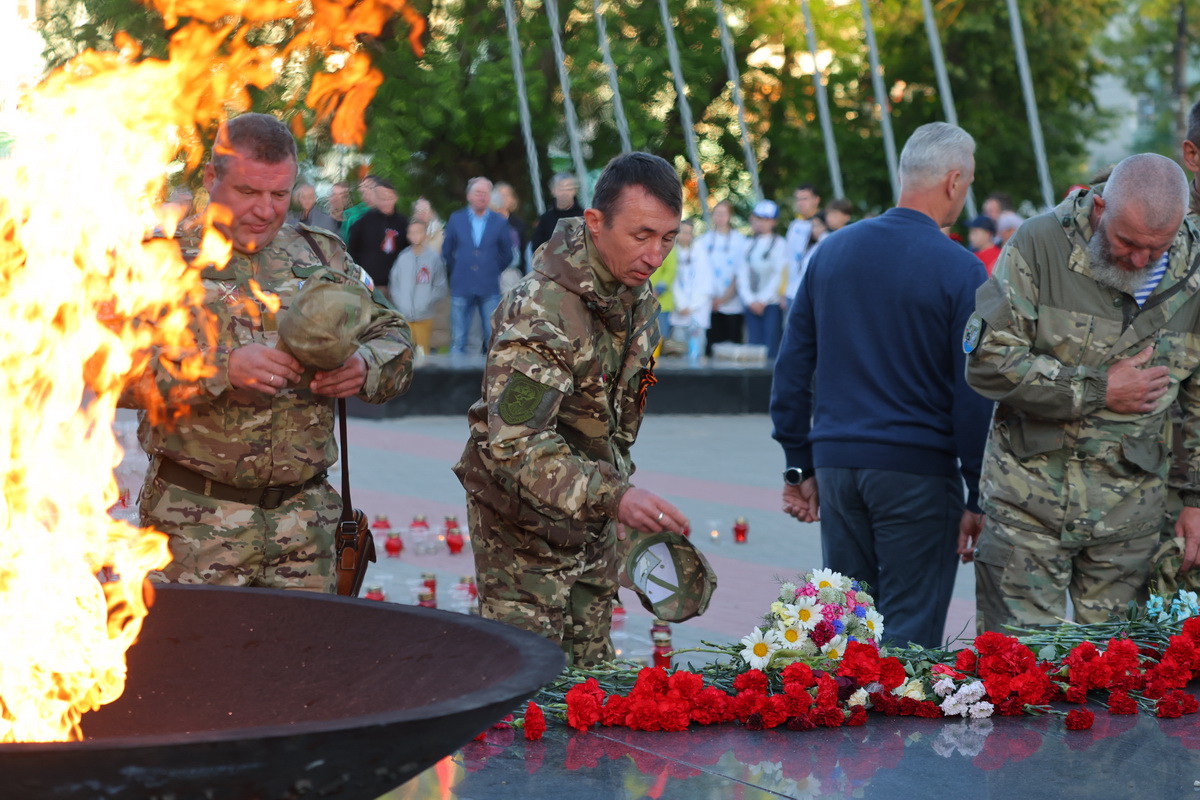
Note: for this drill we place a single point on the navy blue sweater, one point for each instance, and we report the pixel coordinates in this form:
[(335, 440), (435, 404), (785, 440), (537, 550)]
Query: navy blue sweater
[(871, 369)]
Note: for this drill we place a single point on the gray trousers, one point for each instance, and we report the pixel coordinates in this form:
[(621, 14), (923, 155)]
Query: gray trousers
[(897, 532)]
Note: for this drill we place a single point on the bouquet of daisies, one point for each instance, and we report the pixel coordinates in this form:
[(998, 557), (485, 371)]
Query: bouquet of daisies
[(812, 621)]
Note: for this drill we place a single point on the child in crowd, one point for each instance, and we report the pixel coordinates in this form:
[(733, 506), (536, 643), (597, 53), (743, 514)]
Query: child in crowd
[(760, 279), (692, 291), (417, 282)]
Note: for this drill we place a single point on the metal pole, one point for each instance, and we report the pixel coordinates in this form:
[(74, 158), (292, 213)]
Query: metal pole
[(531, 154), (881, 99), (1035, 124), (735, 80), (606, 54), (685, 111), (585, 190), (939, 66), (831, 153)]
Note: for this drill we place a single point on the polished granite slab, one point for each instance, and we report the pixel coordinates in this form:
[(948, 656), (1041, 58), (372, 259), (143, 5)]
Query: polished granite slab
[(890, 757)]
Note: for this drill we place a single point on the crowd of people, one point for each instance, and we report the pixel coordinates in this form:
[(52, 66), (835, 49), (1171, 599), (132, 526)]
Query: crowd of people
[(718, 285)]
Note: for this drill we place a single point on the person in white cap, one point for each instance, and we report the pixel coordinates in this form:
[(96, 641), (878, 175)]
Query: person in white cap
[(760, 279)]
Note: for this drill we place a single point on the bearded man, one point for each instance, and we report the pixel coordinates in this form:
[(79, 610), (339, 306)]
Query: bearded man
[(1084, 336)]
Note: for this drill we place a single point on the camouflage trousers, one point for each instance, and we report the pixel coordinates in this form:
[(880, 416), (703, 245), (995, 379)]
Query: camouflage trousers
[(563, 594), (233, 544), (1023, 577)]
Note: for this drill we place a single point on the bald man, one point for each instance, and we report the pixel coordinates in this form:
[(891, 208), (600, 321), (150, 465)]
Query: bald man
[(1084, 337)]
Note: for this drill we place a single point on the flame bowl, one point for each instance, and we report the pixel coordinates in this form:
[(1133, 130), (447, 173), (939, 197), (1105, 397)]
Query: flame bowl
[(272, 695)]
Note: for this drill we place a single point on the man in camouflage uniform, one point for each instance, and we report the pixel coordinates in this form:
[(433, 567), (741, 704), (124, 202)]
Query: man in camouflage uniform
[(238, 483), (547, 467), (1084, 345)]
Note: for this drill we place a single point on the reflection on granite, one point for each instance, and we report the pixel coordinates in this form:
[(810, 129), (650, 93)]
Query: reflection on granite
[(891, 757)]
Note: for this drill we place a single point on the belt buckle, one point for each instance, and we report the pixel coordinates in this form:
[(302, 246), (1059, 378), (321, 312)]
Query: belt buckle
[(272, 498)]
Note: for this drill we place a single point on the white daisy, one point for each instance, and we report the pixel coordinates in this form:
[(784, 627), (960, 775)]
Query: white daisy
[(822, 578), (835, 648), (874, 623), (807, 612), (759, 647), (791, 636)]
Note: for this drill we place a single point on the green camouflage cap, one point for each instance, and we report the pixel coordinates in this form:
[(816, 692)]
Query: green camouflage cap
[(327, 316), (671, 577)]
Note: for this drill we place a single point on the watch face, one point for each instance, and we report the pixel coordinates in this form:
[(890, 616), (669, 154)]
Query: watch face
[(792, 476)]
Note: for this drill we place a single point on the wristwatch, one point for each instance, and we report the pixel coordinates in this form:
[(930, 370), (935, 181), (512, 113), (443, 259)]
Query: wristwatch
[(794, 476)]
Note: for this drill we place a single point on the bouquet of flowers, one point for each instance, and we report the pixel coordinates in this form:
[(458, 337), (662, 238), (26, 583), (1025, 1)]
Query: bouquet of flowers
[(813, 621)]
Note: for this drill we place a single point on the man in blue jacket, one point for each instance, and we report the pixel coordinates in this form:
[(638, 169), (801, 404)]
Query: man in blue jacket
[(870, 400), (477, 247)]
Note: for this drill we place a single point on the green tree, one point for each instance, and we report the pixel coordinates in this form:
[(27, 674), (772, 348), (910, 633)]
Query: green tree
[(1158, 41)]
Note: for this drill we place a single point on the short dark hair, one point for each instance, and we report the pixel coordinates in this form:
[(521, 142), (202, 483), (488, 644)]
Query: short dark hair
[(841, 204), (1003, 198), (1193, 126), (650, 172), (806, 187), (382, 183), (260, 137)]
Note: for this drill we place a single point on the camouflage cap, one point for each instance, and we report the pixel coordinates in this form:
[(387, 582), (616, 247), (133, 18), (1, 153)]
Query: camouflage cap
[(329, 313), (671, 577)]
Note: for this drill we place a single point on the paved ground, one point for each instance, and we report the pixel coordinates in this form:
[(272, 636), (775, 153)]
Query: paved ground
[(714, 468)]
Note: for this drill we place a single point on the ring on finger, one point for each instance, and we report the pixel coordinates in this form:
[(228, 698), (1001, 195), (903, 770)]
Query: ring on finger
[(660, 516)]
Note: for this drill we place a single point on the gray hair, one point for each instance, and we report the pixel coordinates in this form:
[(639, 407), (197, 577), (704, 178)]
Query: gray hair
[(932, 151), (471, 183), (1155, 184)]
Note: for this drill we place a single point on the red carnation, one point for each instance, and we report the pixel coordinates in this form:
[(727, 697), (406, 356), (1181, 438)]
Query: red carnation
[(535, 722), (966, 661), (1121, 703), (1079, 720), (798, 674), (1169, 708), (615, 710), (928, 709), (1076, 694), (651, 681), (1191, 629), (891, 673), (860, 662), (711, 706), (886, 703), (583, 704), (858, 716), (752, 680), (908, 707), (688, 684), (823, 633), (829, 717), (1187, 703), (827, 691), (800, 722)]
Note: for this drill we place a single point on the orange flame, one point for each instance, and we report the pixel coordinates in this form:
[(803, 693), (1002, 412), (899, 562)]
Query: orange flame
[(89, 302)]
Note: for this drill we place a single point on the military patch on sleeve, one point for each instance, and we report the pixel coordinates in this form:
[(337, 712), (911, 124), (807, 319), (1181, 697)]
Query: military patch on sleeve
[(972, 333), (521, 399)]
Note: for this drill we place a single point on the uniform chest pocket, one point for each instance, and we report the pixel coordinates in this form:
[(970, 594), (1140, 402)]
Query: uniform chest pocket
[(1068, 336), (1179, 352)]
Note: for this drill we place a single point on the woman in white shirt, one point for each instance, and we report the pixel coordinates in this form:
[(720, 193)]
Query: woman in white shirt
[(692, 290), (724, 248), (760, 279)]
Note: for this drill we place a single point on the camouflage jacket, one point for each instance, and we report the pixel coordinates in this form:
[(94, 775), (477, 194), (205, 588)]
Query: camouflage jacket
[(1043, 337), (563, 393), (247, 438)]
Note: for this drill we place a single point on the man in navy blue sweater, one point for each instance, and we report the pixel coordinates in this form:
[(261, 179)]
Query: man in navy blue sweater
[(870, 400)]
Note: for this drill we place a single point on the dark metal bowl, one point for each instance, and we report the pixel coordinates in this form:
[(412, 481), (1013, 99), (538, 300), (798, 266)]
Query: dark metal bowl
[(266, 695)]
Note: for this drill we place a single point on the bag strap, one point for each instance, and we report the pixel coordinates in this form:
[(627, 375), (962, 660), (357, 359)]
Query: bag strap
[(347, 505)]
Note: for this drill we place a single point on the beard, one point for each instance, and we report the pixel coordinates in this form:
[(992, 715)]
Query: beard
[(1105, 269)]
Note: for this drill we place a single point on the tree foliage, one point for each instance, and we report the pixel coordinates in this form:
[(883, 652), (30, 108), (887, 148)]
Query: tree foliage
[(452, 113)]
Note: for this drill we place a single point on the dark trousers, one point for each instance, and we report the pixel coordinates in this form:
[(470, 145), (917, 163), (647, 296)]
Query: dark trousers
[(765, 328), (723, 328), (898, 532)]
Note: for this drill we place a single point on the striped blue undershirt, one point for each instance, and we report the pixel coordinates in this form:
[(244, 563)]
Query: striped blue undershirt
[(1152, 281)]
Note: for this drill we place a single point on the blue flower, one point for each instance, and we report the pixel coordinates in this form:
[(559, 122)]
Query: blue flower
[(855, 585), (860, 612), (1154, 608), (839, 626)]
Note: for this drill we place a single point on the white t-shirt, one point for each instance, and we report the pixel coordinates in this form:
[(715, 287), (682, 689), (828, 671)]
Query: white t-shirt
[(692, 288), (760, 279), (724, 254), (798, 234)]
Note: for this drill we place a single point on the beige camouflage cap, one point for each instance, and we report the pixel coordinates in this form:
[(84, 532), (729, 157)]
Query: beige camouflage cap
[(671, 577), (329, 313)]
